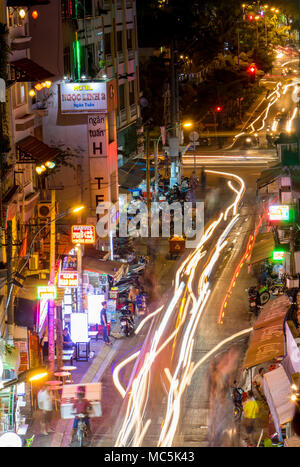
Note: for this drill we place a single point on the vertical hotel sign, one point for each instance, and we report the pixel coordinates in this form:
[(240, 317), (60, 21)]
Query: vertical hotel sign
[(97, 135)]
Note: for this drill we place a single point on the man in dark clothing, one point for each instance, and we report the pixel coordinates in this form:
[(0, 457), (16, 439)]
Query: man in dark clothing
[(103, 319)]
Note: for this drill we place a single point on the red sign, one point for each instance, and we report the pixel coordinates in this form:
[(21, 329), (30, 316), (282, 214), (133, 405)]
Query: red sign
[(84, 234), (68, 279)]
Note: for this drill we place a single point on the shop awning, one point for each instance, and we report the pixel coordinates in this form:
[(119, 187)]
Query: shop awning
[(272, 311), (32, 150), (269, 175), (266, 344), (112, 268), (263, 248), (27, 70), (131, 174), (277, 389)]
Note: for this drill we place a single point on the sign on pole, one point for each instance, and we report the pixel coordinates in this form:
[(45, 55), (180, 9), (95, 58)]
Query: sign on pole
[(83, 234)]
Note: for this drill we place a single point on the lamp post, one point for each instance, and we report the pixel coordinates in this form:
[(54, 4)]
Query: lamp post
[(33, 374), (52, 221), (156, 145)]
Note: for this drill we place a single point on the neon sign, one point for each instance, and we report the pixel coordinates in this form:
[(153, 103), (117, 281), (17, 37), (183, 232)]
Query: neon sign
[(68, 279), (46, 291), (279, 213), (83, 234)]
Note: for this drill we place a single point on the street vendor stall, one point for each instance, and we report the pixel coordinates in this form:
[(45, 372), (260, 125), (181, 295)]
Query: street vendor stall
[(68, 397)]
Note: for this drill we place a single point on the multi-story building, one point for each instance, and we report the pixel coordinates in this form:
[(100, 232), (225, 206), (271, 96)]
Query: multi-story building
[(91, 46)]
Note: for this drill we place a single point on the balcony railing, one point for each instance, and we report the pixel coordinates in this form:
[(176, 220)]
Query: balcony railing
[(120, 57), (130, 54), (123, 116), (132, 110)]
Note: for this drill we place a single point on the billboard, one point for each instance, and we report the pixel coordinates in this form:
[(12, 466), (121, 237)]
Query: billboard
[(83, 97), (84, 234), (68, 279)]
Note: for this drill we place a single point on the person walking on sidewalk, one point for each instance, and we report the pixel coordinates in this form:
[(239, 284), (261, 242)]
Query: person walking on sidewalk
[(103, 319), (251, 411), (44, 400)]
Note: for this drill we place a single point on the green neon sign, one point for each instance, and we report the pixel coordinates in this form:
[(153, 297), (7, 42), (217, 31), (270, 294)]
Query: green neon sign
[(278, 255)]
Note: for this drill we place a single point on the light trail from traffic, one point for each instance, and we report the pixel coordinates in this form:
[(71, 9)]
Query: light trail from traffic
[(133, 429)]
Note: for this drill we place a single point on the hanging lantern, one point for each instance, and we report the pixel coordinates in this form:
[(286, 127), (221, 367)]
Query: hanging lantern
[(38, 86), (34, 14), (48, 84), (32, 93), (22, 13)]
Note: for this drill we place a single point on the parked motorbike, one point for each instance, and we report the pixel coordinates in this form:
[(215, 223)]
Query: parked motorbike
[(126, 322), (81, 430), (256, 299), (275, 287)]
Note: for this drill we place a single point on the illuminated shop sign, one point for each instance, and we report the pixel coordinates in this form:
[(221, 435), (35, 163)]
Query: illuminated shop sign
[(68, 279), (278, 255), (84, 234), (46, 291), (43, 311), (83, 97), (279, 213)]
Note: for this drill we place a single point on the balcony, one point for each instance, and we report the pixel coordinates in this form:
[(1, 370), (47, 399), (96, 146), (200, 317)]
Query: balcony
[(20, 43)]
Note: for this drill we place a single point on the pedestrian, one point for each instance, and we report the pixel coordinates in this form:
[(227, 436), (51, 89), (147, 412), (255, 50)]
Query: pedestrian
[(250, 411), (44, 400), (258, 383), (133, 293), (104, 323), (67, 341)]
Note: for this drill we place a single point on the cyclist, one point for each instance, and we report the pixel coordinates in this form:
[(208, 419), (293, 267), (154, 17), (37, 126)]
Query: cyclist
[(81, 406)]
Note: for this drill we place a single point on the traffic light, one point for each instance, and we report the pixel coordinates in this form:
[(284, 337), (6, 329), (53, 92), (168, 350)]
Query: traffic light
[(250, 17), (252, 71), (219, 108)]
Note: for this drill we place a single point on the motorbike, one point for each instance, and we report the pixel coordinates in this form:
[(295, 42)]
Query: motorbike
[(237, 403), (275, 287), (126, 322), (254, 303), (81, 430)]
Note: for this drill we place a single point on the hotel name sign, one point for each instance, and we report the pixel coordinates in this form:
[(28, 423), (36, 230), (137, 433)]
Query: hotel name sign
[(83, 98)]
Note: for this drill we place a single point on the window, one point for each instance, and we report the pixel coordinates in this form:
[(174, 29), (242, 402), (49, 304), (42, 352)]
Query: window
[(107, 44), (67, 61), (129, 39), (111, 129), (122, 96), (14, 19), (20, 96), (131, 92), (119, 41)]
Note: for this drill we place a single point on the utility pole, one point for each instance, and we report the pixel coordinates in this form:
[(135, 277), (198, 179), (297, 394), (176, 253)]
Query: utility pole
[(173, 141), (51, 312), (148, 188), (10, 306), (155, 147), (79, 269)]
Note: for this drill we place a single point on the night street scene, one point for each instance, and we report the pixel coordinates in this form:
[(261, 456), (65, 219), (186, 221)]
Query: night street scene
[(150, 227)]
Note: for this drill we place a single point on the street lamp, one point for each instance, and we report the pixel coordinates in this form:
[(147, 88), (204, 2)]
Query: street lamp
[(33, 374)]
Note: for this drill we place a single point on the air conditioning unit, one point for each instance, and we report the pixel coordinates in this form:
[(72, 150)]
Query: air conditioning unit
[(44, 211), (33, 264)]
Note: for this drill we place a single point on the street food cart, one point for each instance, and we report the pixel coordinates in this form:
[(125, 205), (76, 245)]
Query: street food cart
[(68, 397), (176, 246)]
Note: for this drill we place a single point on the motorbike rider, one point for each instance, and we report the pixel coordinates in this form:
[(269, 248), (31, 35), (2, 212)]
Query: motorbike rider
[(81, 406), (237, 394)]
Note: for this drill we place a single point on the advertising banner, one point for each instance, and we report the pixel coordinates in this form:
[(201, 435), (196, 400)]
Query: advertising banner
[(83, 97), (68, 279)]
